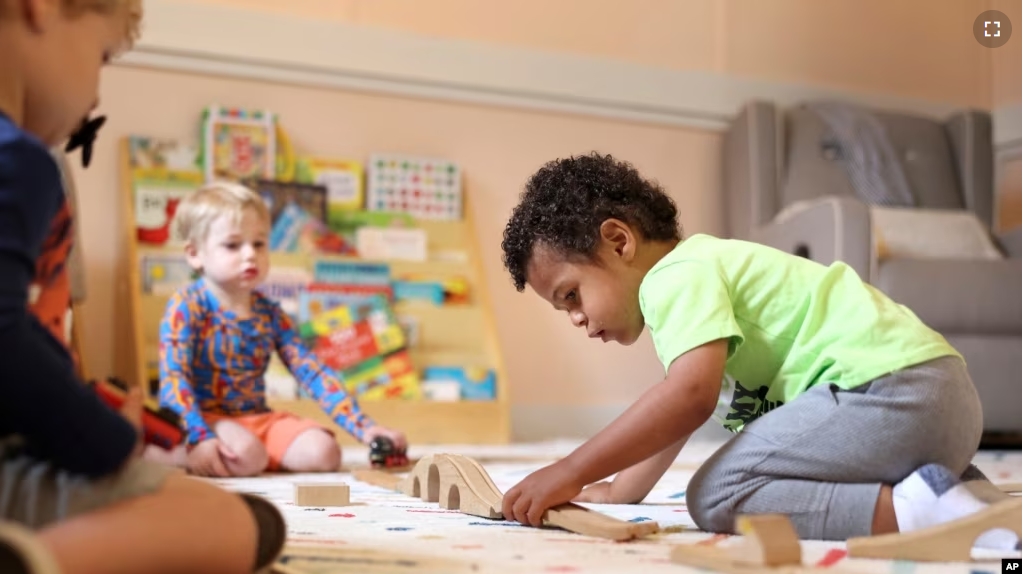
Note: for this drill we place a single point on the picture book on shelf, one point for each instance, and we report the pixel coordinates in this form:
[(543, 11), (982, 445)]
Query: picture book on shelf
[(342, 179), (364, 343), (425, 188), (163, 172), (165, 274), (238, 144)]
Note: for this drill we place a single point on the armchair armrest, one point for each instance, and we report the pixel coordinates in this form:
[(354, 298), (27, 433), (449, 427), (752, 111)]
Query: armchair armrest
[(1009, 241), (826, 230)]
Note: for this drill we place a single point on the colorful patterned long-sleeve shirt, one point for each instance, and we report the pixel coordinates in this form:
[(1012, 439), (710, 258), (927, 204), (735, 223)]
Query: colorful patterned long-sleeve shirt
[(212, 361)]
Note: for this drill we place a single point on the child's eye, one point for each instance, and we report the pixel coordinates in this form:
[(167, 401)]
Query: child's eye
[(232, 245), (571, 295), (259, 244)]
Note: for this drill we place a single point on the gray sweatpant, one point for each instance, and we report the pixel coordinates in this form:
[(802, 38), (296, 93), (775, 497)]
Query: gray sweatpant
[(822, 458)]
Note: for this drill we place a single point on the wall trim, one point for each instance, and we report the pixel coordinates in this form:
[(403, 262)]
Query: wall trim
[(227, 41)]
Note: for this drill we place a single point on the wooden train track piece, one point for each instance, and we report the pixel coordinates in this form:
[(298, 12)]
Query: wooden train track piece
[(376, 477), (769, 545), (948, 542), (460, 483), (1010, 487)]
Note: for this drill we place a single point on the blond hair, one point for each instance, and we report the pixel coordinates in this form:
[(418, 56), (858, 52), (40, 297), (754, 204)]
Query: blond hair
[(197, 212), (129, 10)]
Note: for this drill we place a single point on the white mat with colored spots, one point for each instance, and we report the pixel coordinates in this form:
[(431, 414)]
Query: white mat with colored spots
[(385, 531)]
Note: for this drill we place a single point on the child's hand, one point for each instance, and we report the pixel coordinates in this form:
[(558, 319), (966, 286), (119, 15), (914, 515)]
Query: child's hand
[(397, 437), (207, 458), (599, 493), (131, 410), (550, 486)]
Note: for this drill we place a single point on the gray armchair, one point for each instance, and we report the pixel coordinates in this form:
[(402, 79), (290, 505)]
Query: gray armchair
[(775, 163)]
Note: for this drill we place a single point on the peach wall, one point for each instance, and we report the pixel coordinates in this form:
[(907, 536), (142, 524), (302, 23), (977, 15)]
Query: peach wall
[(498, 150), (853, 44), (1006, 78), (914, 48)]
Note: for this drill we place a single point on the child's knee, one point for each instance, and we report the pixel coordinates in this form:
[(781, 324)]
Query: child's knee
[(252, 458), (326, 450), (710, 511)]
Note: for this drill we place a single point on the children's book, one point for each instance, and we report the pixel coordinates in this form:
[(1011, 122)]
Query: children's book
[(382, 378), (342, 179), (364, 343), (165, 274), (238, 144), (352, 273), (425, 188), (163, 172), (280, 195)]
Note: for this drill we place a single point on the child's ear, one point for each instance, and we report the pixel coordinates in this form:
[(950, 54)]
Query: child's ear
[(617, 235), (192, 256), (39, 14)]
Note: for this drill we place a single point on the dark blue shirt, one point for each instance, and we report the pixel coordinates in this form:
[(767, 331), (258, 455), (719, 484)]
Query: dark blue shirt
[(41, 399)]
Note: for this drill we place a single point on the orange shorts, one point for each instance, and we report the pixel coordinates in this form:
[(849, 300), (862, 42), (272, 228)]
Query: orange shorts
[(276, 430)]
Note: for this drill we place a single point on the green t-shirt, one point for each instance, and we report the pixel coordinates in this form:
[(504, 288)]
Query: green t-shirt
[(791, 323)]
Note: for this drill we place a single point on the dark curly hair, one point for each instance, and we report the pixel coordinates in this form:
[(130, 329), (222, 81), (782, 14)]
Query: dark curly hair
[(565, 202)]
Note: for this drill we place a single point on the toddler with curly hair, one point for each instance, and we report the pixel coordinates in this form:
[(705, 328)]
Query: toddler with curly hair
[(851, 415)]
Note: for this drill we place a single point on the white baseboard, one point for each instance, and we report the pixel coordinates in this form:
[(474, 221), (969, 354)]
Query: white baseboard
[(207, 38), (533, 423)]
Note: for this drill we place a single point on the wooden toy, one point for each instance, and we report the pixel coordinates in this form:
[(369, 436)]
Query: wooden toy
[(322, 494), (383, 454), (769, 545), (460, 483), (948, 542), (1010, 487)]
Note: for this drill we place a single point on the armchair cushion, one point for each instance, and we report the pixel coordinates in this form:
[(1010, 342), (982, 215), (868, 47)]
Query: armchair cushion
[(967, 296), (930, 234), (1009, 241)]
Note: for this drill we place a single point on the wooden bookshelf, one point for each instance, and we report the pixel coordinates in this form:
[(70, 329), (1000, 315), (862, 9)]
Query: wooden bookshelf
[(462, 334)]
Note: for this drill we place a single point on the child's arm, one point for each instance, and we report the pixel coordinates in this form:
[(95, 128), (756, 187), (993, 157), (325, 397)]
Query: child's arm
[(633, 484), (317, 379), (177, 340), (40, 397), (669, 411)]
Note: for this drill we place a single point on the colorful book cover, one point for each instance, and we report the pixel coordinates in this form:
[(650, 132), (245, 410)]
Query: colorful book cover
[(348, 223), (425, 188), (352, 273), (342, 178), (384, 378), (238, 144), (163, 172), (279, 195), (317, 298), (349, 334), (165, 274)]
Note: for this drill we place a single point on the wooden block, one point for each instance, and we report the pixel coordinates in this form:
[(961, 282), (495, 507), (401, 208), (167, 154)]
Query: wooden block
[(767, 540), (322, 494)]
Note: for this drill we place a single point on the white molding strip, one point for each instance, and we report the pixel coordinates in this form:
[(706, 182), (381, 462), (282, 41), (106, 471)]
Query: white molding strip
[(227, 41)]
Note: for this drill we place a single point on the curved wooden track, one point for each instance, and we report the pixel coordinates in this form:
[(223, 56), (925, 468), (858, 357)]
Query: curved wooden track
[(461, 483), (948, 542)]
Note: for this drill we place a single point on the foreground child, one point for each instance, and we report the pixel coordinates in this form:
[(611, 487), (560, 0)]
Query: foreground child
[(855, 417), (74, 495), (216, 340)]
